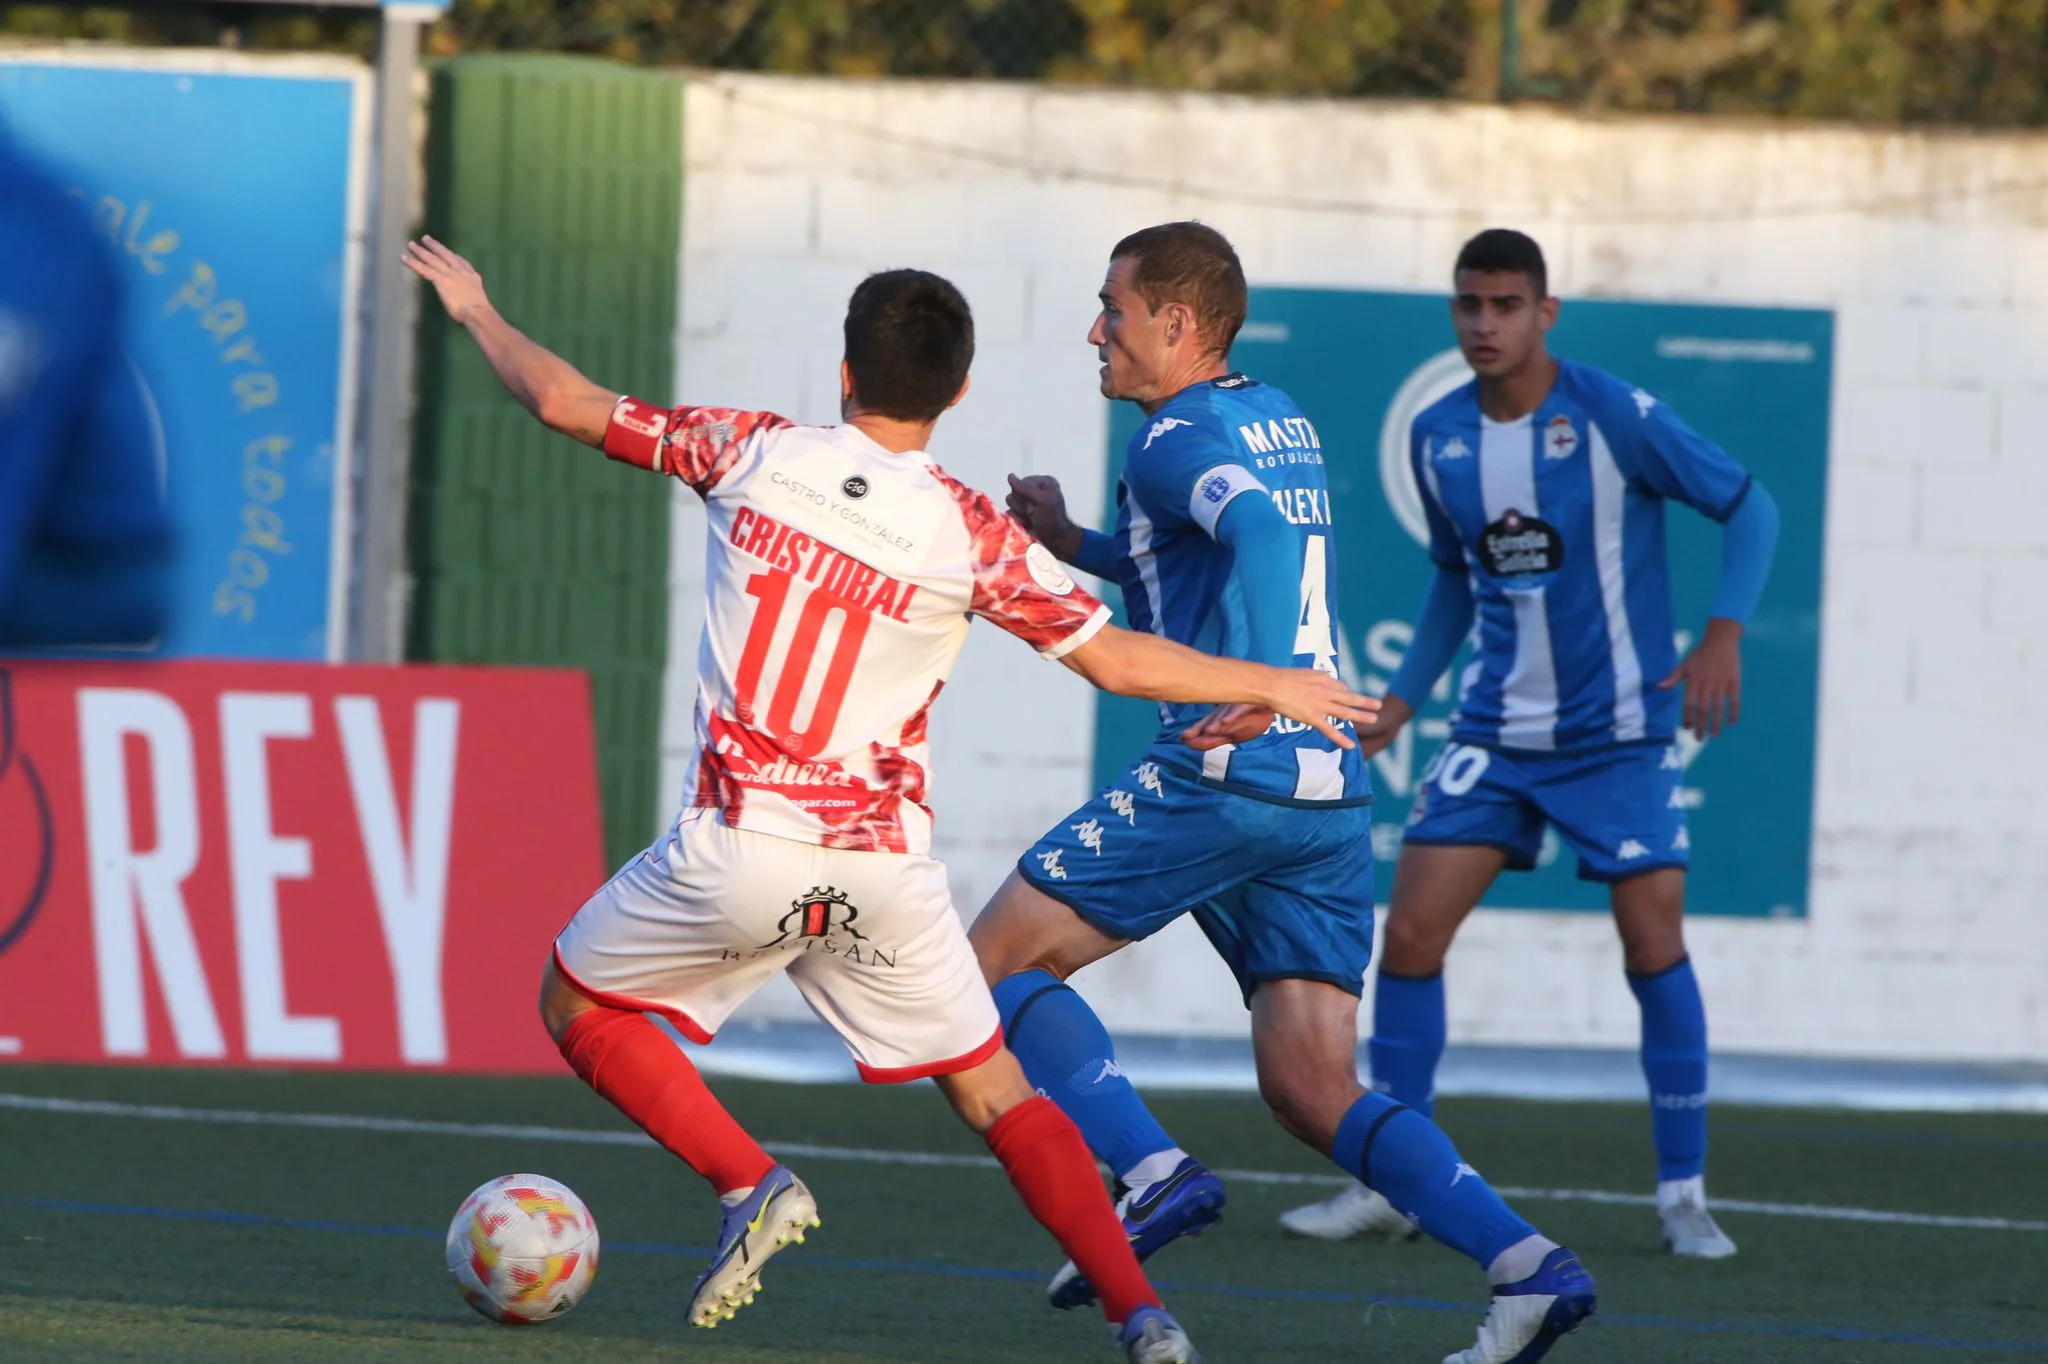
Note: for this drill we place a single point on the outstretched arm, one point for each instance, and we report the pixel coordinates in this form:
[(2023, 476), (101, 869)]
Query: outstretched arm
[(1130, 663), (545, 384), (1712, 672)]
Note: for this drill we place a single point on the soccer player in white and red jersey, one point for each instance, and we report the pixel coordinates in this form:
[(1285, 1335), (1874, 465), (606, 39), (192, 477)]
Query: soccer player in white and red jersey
[(844, 567)]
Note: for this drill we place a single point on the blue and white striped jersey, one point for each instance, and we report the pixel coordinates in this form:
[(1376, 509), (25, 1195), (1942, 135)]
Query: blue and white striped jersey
[(1559, 520), (1209, 443)]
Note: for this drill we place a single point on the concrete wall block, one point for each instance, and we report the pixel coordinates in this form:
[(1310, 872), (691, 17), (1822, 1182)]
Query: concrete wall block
[(751, 213), (1986, 345), (750, 297), (1873, 506), (758, 375), (1881, 342), (1902, 424), (927, 218), (1993, 509), (1341, 250)]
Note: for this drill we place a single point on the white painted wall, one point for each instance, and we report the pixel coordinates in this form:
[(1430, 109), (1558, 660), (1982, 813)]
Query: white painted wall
[(1928, 933)]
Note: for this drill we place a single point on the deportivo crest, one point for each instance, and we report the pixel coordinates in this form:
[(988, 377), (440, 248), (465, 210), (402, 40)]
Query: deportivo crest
[(819, 912), (1560, 441)]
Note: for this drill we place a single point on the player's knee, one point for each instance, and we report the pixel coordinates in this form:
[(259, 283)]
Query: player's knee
[(1413, 948), (1649, 954), (984, 1093), (560, 1001), (1301, 1105)]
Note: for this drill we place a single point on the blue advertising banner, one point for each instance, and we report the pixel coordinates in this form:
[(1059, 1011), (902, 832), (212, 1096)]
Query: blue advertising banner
[(1756, 380), (235, 198)]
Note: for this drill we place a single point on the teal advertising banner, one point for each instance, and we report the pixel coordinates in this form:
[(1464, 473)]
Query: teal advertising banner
[(1756, 380)]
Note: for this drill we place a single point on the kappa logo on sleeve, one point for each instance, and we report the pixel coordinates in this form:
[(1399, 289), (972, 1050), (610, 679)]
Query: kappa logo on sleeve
[(1161, 427)]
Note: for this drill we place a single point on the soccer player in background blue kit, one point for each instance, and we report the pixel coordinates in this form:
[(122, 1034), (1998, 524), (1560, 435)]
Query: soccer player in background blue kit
[(84, 543), (1545, 484), (1261, 830)]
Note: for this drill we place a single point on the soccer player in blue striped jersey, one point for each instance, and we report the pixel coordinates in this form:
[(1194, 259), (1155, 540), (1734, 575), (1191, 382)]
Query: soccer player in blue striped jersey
[(1545, 484), (1259, 829)]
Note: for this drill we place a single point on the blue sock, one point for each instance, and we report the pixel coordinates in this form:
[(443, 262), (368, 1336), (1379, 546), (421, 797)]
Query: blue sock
[(1408, 1038), (1675, 1064), (1410, 1161), (1068, 1057)]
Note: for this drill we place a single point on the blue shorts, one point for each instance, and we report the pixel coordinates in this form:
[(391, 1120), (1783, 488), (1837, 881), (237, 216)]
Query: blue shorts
[(1622, 810), (1284, 892)]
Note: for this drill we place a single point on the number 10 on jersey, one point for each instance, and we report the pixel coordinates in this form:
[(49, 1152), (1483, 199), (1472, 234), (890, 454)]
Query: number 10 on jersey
[(795, 678)]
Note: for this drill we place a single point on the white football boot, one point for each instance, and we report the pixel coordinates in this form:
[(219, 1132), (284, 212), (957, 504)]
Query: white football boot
[(1356, 1211), (1689, 1229), (1527, 1318)]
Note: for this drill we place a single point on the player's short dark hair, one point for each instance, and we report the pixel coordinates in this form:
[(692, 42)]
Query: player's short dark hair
[(909, 343), (1502, 250), (1194, 264)]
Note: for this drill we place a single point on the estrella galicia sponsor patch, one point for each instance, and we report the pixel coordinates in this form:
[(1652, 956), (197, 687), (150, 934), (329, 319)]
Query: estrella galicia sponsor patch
[(1518, 546)]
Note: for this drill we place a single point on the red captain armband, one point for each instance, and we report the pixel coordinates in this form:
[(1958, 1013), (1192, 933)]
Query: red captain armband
[(634, 434)]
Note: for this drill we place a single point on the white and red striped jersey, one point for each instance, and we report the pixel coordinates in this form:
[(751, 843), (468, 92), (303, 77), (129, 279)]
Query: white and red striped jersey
[(841, 577)]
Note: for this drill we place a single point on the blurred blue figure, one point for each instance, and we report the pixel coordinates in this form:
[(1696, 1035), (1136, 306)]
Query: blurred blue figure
[(84, 541)]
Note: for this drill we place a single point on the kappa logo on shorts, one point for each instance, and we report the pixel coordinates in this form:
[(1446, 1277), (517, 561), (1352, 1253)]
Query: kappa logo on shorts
[(1050, 860), (1125, 804), (1148, 777), (817, 920), (1090, 833)]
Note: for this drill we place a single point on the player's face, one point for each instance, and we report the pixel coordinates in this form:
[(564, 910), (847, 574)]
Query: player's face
[(1500, 321), (1128, 339)]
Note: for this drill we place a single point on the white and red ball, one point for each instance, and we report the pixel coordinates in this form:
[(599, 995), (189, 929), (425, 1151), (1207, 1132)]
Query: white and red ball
[(522, 1249)]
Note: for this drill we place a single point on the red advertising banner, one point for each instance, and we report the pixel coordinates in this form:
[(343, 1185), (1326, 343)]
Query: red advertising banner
[(359, 867)]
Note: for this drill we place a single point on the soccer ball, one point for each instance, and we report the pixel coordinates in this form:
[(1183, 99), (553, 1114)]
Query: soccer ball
[(522, 1249)]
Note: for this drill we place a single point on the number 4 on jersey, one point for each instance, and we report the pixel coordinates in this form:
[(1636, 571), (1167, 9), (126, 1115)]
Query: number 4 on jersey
[(1312, 633)]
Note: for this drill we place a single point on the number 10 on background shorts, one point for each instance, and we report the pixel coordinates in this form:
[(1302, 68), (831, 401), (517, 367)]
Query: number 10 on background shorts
[(704, 918), (1622, 810)]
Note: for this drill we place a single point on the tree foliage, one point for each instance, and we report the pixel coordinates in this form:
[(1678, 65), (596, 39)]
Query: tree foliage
[(1888, 61)]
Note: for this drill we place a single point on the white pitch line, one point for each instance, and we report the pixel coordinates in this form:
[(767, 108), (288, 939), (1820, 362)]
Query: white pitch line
[(583, 1136)]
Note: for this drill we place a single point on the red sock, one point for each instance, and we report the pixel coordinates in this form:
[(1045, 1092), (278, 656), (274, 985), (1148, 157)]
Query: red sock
[(1045, 1157), (645, 1076)]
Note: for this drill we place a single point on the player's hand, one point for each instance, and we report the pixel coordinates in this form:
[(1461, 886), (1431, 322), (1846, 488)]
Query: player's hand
[(1320, 700), (1394, 713), (1239, 723), (1712, 674), (1041, 508), (461, 288)]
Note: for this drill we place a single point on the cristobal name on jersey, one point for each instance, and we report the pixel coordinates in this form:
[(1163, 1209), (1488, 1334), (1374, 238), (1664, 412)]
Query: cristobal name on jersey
[(1281, 440), (820, 565)]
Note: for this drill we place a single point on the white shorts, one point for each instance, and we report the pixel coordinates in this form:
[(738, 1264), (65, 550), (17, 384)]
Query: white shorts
[(710, 914)]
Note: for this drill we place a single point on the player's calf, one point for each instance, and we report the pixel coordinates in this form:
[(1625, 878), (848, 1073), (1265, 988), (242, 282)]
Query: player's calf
[(1053, 1171)]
